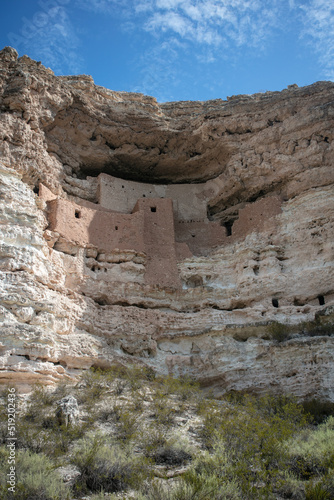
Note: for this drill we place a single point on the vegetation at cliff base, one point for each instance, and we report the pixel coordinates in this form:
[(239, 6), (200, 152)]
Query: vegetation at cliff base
[(143, 437)]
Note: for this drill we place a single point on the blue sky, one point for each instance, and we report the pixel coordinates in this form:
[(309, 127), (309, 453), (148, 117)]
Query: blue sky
[(178, 50)]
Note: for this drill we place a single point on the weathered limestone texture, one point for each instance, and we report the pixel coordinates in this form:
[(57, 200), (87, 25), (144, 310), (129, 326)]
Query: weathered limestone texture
[(173, 234)]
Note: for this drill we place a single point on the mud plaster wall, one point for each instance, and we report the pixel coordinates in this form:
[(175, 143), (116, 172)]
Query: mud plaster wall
[(159, 238), (200, 237), (105, 230), (152, 228), (149, 229), (189, 200), (257, 217)]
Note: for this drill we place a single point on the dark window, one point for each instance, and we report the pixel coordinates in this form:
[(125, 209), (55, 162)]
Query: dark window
[(275, 302), (228, 226), (321, 299), (116, 228), (77, 214), (153, 209)]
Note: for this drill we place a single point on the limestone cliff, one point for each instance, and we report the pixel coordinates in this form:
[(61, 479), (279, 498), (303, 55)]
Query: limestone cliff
[(259, 248)]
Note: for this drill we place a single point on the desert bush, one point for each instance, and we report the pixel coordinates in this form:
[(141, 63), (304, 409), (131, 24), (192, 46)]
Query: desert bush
[(137, 400), (314, 448), (320, 490), (253, 431), (290, 487), (211, 413), (112, 412), (136, 375), (119, 386), (184, 388), (152, 438), (278, 331), (176, 450), (106, 467), (319, 410), (41, 396), (170, 455), (315, 328), (306, 467), (38, 429), (93, 384), (127, 426), (163, 407), (36, 478), (195, 487)]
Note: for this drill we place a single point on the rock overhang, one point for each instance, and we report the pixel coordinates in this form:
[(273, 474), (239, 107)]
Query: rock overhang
[(89, 307)]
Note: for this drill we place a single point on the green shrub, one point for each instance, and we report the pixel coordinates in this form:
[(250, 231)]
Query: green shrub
[(319, 410), (127, 426), (195, 487), (278, 331), (253, 431), (315, 446), (306, 467), (93, 384), (184, 387), (36, 478), (151, 439), (174, 451), (163, 408), (106, 467), (316, 328), (318, 491)]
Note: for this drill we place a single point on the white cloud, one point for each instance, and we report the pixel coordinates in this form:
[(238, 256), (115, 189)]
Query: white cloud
[(49, 37), (214, 30), (244, 22), (318, 18)]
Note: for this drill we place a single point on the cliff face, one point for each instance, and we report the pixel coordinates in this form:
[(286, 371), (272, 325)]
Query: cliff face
[(263, 165)]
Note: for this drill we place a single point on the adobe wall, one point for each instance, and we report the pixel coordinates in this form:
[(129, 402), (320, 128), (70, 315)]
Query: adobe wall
[(106, 230), (189, 200), (160, 245), (149, 229), (153, 228), (200, 237), (257, 216)]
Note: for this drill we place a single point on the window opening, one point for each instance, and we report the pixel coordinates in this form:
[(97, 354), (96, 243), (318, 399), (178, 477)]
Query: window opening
[(153, 209), (275, 302), (77, 214), (228, 226), (321, 299)]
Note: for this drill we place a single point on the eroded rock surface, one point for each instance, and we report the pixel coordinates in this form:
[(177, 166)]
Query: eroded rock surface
[(266, 164)]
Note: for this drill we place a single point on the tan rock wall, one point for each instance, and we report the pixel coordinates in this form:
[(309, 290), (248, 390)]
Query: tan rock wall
[(65, 307)]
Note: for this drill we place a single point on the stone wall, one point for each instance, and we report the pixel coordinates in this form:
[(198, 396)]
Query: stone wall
[(257, 217), (105, 230), (159, 238), (189, 200), (153, 228), (201, 237)]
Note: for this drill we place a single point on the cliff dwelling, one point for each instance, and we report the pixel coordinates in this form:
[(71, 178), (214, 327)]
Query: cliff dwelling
[(173, 235), (165, 223)]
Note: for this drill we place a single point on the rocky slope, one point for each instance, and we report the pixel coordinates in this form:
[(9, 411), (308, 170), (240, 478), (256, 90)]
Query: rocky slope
[(59, 316)]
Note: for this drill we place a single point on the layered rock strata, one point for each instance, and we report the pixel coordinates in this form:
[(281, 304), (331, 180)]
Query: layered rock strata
[(258, 169)]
